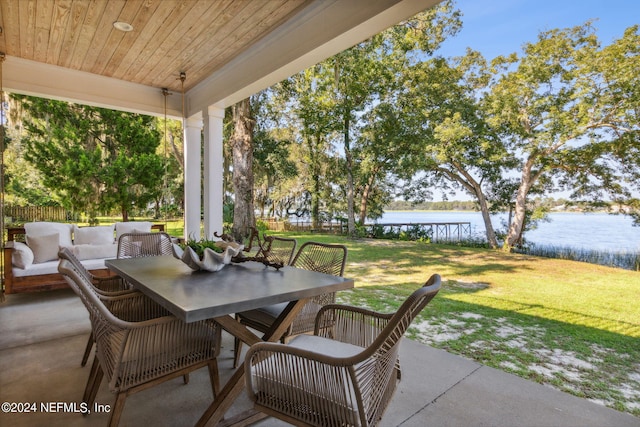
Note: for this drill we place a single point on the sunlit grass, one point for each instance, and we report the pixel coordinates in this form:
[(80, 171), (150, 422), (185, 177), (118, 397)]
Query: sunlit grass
[(566, 291), (571, 325)]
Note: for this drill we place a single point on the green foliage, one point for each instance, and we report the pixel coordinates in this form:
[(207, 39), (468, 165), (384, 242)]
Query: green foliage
[(199, 246), (563, 108), (445, 205), (562, 116), (93, 159), (262, 227), (348, 127)]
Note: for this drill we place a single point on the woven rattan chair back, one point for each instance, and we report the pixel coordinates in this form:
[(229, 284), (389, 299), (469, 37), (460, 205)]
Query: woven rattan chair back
[(135, 245), (103, 286), (384, 335), (323, 258), (137, 354), (278, 250), (304, 385), (314, 256)]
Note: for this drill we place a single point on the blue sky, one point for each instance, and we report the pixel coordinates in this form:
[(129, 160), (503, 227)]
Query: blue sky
[(500, 27)]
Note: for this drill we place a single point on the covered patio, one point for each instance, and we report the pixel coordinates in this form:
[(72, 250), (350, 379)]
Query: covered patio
[(40, 363), (209, 55)]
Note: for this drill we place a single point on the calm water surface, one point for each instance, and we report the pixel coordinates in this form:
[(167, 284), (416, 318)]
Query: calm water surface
[(577, 230)]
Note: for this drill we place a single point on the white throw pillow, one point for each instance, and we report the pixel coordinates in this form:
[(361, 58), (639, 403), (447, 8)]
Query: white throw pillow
[(100, 235), (22, 255), (35, 229), (83, 252), (45, 248), (131, 226)]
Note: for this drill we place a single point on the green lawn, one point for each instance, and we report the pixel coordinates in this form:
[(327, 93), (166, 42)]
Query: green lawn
[(571, 325)]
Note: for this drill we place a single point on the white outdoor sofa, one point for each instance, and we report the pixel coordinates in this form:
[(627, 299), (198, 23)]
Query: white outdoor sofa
[(31, 252)]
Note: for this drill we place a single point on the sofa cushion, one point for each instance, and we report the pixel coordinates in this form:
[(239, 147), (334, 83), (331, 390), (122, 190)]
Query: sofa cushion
[(48, 228), (100, 235), (132, 226), (84, 252), (51, 267), (22, 255), (45, 248)]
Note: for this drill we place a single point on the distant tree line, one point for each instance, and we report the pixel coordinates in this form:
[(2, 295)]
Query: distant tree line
[(547, 204), (455, 205)]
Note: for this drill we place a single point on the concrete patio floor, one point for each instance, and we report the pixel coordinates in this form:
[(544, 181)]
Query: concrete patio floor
[(42, 338)]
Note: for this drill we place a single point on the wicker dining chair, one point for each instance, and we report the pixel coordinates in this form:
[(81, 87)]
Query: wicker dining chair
[(143, 348), (321, 257), (343, 375), (106, 286), (138, 309), (135, 245)]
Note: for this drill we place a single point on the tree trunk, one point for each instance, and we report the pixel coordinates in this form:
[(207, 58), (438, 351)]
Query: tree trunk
[(516, 227), (315, 170), (351, 219), (315, 202), (484, 209), (364, 199), (242, 152), (475, 188)]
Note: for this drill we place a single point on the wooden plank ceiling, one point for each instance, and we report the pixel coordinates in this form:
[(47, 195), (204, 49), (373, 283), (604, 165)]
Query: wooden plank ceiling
[(169, 36)]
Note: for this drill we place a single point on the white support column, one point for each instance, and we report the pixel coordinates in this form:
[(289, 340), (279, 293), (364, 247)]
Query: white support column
[(213, 172), (192, 177)]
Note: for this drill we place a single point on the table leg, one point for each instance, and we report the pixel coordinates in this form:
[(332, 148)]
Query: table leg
[(232, 389)]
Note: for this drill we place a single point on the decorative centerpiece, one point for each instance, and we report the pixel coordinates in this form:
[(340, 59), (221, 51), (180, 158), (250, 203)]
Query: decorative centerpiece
[(208, 255), (262, 254), (213, 255)]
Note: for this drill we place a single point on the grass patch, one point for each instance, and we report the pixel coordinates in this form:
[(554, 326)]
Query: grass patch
[(566, 324)]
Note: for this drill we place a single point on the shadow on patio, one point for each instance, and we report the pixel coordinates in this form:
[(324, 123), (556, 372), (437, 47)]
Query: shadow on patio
[(43, 335)]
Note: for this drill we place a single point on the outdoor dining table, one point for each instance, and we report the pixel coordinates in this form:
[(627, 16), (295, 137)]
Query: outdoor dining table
[(198, 295)]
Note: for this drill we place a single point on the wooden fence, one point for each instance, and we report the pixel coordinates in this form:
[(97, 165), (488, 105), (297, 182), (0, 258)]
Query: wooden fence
[(35, 213)]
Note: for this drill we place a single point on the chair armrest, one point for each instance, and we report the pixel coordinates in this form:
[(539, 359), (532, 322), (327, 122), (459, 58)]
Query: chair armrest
[(113, 284), (134, 306), (353, 325)]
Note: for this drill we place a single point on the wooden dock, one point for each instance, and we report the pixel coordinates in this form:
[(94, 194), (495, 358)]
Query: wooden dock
[(437, 231)]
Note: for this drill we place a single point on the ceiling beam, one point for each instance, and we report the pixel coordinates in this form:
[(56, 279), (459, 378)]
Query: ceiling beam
[(49, 81)]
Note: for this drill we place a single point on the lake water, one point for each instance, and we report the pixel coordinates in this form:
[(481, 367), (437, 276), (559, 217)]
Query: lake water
[(596, 231)]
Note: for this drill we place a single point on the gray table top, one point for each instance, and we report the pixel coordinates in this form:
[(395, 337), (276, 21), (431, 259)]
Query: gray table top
[(197, 295)]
